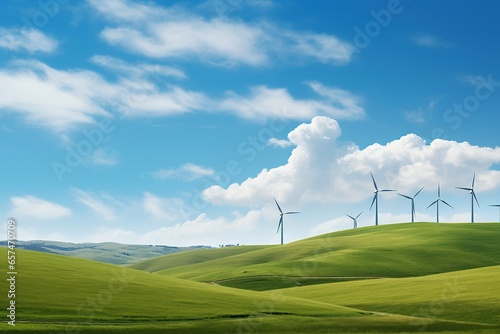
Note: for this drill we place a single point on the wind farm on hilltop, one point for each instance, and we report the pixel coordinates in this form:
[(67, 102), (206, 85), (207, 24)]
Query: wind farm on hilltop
[(375, 201)]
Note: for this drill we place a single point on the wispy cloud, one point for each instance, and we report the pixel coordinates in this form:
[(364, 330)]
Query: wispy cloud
[(152, 71), (264, 102), (428, 40), (95, 204), (320, 47), (62, 100), (279, 142), (103, 157), (159, 32), (30, 40), (37, 208), (58, 100), (166, 209), (188, 171), (422, 113)]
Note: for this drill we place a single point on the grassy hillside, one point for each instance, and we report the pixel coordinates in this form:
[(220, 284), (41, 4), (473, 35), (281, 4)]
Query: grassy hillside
[(108, 252), (62, 294), (400, 250), (53, 287), (469, 295), (193, 257)]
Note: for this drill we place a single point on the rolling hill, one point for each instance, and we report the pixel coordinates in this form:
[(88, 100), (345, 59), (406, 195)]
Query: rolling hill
[(64, 294), (444, 280), (399, 250), (466, 295)]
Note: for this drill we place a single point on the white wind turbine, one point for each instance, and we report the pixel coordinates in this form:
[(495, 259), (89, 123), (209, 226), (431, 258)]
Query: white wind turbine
[(280, 224), (472, 197), (412, 199), (437, 204), (375, 198), (355, 220)]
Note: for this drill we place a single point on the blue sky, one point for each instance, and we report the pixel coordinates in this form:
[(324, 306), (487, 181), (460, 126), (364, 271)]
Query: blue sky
[(176, 123)]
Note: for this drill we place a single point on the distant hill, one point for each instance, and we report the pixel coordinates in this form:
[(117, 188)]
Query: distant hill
[(108, 252)]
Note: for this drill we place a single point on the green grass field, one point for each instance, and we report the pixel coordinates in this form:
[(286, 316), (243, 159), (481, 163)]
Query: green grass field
[(469, 295), (402, 250), (442, 279)]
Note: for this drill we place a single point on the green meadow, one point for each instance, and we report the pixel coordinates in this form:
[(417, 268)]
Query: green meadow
[(422, 277)]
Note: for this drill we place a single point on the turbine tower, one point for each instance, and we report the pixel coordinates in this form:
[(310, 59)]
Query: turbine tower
[(280, 224), (472, 197), (437, 204), (498, 206), (412, 203), (355, 220), (375, 198)]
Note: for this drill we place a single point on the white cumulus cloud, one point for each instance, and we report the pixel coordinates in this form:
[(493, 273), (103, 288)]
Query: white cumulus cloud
[(37, 208), (321, 168)]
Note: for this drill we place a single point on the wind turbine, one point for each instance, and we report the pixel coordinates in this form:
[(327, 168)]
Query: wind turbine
[(437, 204), (472, 197), (412, 203), (375, 198), (498, 206), (280, 224), (355, 220)]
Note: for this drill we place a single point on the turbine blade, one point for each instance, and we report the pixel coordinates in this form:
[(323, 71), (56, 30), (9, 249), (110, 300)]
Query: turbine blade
[(278, 205), (418, 192), (468, 189), (373, 201), (404, 196), (446, 203), (374, 183), (474, 195), (291, 212), (387, 190), (439, 190), (359, 214), (350, 216), (432, 203), (279, 224), (496, 205), (473, 179)]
